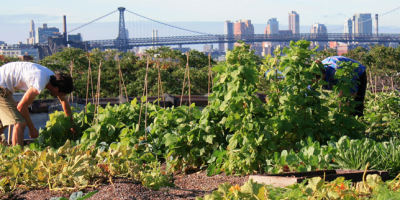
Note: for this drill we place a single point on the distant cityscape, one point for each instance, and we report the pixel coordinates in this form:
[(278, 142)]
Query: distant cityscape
[(360, 23), (44, 40)]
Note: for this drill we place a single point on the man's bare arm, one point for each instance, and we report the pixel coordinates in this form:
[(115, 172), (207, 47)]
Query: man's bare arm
[(66, 107), (23, 105)]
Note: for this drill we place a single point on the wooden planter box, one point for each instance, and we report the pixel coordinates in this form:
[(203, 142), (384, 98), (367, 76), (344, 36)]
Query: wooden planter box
[(285, 179)]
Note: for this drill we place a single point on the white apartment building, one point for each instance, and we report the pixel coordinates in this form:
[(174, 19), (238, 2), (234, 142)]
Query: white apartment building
[(10, 50), (319, 31), (15, 51)]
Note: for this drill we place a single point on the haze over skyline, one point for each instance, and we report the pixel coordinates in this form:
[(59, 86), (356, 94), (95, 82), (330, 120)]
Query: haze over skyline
[(16, 15)]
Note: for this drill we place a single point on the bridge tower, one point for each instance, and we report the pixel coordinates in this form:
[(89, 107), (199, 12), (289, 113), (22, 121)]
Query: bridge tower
[(122, 41)]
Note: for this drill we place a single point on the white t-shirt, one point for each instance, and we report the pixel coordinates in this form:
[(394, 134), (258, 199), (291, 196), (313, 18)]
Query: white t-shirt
[(23, 75)]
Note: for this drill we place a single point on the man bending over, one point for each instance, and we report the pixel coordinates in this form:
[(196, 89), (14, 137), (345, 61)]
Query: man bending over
[(32, 78)]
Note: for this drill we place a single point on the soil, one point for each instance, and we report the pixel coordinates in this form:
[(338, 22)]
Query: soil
[(187, 186)]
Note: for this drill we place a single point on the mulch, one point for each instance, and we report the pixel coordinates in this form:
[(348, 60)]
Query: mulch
[(187, 186)]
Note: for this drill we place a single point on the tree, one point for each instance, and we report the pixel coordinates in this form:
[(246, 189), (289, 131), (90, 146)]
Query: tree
[(197, 59)]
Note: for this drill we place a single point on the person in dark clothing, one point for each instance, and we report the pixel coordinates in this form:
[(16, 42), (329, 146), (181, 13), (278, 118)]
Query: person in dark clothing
[(360, 80)]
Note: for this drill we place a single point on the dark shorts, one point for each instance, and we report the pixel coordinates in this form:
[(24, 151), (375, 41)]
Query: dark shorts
[(362, 87)]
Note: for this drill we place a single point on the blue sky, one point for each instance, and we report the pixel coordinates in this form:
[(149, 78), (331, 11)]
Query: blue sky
[(15, 16)]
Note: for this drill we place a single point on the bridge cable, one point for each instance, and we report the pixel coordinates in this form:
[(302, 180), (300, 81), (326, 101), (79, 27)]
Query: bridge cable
[(368, 19), (168, 24), (92, 21)]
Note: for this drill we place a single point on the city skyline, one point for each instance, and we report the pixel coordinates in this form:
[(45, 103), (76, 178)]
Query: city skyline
[(16, 16)]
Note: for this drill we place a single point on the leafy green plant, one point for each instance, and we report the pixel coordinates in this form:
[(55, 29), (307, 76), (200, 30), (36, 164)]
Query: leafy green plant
[(316, 188), (297, 111), (66, 168), (240, 113), (382, 115), (342, 103), (155, 178), (389, 156), (355, 154), (309, 158)]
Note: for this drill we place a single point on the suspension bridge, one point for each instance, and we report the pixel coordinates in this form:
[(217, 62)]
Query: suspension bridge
[(187, 37)]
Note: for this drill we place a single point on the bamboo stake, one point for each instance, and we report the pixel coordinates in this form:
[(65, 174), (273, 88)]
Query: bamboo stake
[(87, 86), (162, 90), (71, 72), (97, 104), (91, 78), (119, 82), (209, 74), (183, 87), (91, 83), (371, 81), (383, 85), (391, 79), (145, 114), (158, 82), (375, 88), (123, 82), (144, 92), (188, 69)]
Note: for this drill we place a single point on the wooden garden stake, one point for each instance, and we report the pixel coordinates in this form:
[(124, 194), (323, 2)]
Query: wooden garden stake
[(188, 69), (87, 85), (210, 78), (375, 88), (121, 78), (145, 114), (71, 72), (209, 72), (391, 79), (144, 93), (183, 87), (160, 83), (96, 111)]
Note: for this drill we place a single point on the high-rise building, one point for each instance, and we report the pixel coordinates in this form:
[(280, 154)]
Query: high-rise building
[(243, 29), (362, 23), (272, 26), (31, 39), (319, 31), (43, 33), (228, 30), (271, 29), (126, 33), (348, 26), (294, 22)]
